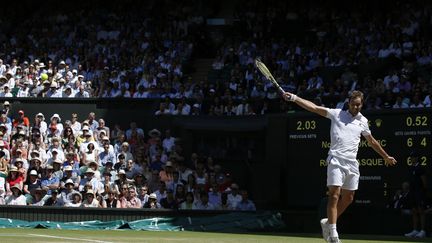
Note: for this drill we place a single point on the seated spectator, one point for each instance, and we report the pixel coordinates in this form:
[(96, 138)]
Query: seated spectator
[(16, 197), (70, 174), (169, 201), (89, 200), (188, 204), (214, 195), (54, 199), (143, 194), (152, 202), (225, 204), (32, 182), (245, 204), (203, 203), (234, 197), (111, 200), (36, 197), (131, 200), (68, 191), (76, 200), (13, 179)]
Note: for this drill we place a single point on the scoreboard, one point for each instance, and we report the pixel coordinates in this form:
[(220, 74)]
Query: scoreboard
[(400, 132)]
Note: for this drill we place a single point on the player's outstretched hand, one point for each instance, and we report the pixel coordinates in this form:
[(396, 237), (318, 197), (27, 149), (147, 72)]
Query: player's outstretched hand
[(289, 96), (390, 161)]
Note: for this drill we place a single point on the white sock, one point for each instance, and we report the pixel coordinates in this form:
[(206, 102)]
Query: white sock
[(333, 232)]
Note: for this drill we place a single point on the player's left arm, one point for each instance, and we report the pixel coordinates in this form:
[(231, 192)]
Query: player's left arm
[(389, 160)]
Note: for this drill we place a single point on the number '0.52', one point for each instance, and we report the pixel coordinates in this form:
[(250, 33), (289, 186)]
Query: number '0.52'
[(416, 121)]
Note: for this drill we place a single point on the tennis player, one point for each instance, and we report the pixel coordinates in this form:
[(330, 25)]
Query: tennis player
[(342, 166)]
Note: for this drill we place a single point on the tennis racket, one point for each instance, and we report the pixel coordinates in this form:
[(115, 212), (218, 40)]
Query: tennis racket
[(264, 71)]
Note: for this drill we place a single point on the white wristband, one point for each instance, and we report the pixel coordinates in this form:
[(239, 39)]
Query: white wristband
[(293, 97)]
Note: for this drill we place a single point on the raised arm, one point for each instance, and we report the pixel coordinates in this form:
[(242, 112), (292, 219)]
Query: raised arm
[(305, 104), (389, 160)]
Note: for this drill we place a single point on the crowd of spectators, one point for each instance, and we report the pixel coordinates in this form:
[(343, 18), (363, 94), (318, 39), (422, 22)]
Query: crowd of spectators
[(106, 51), (109, 54), (335, 37), (56, 161)]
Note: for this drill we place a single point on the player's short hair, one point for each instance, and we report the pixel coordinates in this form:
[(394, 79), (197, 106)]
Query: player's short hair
[(356, 94)]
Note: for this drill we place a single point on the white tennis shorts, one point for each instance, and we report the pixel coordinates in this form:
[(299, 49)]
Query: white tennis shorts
[(343, 173)]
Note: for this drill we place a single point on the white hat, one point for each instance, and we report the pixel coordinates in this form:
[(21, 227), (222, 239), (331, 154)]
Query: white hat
[(69, 181), (80, 76), (34, 151), (41, 64), (36, 158), (85, 128), (154, 132), (62, 62), (153, 196), (122, 172), (105, 138), (40, 114), (33, 172), (56, 116), (53, 85), (67, 168), (90, 170), (6, 103)]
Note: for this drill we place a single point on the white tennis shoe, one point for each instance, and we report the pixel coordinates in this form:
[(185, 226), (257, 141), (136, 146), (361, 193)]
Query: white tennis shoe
[(334, 240), (325, 229), (412, 233)]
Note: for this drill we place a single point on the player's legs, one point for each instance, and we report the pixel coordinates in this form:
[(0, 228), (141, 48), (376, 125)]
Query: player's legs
[(347, 197), (332, 205)]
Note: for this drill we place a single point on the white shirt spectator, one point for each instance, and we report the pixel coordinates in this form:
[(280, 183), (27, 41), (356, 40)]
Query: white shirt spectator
[(23, 92), (142, 95), (168, 144), (13, 200)]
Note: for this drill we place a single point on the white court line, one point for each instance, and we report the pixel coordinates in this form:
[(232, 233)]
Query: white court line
[(69, 238)]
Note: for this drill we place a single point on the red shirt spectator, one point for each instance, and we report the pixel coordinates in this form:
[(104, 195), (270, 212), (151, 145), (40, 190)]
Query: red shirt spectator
[(21, 120)]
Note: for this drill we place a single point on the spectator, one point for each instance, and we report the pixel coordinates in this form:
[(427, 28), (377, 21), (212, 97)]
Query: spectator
[(76, 200), (152, 202), (188, 204), (36, 197), (131, 200), (16, 197), (54, 199), (203, 203), (234, 197), (90, 201), (169, 201), (21, 120), (245, 204), (13, 179)]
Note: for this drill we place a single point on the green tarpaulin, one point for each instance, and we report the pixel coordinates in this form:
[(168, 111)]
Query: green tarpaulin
[(231, 222)]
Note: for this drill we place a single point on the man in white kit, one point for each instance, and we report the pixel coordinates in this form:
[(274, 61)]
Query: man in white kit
[(343, 168)]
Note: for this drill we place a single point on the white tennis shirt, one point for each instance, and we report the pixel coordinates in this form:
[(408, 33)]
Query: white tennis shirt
[(345, 133)]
